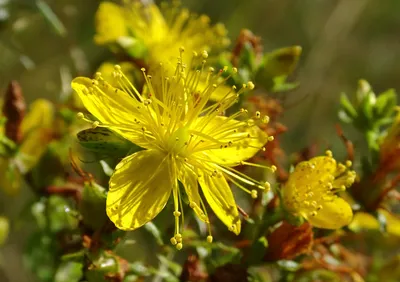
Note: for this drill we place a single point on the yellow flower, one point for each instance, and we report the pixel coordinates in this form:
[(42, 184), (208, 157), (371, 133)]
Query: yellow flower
[(184, 137), (311, 192), (110, 23), (160, 32), (36, 130), (366, 221)]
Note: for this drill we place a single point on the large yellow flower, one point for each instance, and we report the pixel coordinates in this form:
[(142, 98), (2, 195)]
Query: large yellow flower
[(160, 33), (185, 139), (311, 192)]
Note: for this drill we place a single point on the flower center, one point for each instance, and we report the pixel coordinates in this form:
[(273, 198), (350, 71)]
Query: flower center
[(178, 141)]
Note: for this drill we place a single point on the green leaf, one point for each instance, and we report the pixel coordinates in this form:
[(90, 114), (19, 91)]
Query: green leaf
[(133, 47), (69, 272), (347, 106), (41, 256), (280, 84), (153, 229), (385, 104), (106, 168), (282, 61), (362, 90), (344, 117), (51, 18), (372, 140), (257, 251), (367, 106), (60, 214), (247, 57), (139, 268), (174, 267), (278, 65), (289, 265)]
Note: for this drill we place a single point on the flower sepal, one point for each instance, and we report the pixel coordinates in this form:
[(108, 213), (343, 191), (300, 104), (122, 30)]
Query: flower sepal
[(105, 142), (93, 205)]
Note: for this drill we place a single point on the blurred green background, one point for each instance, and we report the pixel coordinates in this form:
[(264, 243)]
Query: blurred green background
[(342, 42)]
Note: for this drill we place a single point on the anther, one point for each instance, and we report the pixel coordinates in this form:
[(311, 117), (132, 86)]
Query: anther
[(267, 186), (97, 75), (234, 70), (95, 124), (225, 68), (254, 194), (179, 246), (195, 54), (209, 239), (250, 85), (177, 213), (80, 115), (204, 54), (117, 67), (265, 119), (143, 69), (211, 69), (349, 163), (258, 114), (173, 241), (273, 168), (181, 49), (178, 237), (271, 138), (328, 153)]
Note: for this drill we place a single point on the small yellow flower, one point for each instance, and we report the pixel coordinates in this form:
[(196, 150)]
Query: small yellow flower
[(110, 23), (36, 130), (161, 32), (185, 138), (311, 192)]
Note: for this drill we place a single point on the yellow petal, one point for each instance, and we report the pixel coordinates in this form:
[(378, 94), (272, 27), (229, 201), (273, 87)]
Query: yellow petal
[(10, 178), (40, 115), (219, 93), (139, 189), (392, 222), (32, 149), (333, 215), (239, 150), (188, 177), (110, 23), (363, 220), (106, 69), (37, 129), (220, 198), (113, 107), (317, 170)]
